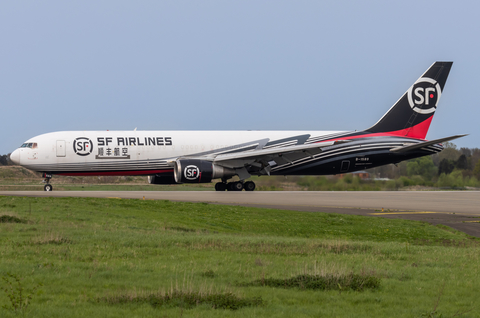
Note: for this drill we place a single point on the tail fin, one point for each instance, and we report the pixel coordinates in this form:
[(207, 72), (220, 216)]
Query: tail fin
[(413, 112)]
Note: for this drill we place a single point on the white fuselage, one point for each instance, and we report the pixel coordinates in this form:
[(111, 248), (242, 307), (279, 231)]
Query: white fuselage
[(139, 152)]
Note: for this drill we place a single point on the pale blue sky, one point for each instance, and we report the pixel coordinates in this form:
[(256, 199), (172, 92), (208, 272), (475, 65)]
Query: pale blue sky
[(223, 65)]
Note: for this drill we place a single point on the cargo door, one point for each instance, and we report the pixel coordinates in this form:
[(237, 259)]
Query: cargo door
[(61, 151)]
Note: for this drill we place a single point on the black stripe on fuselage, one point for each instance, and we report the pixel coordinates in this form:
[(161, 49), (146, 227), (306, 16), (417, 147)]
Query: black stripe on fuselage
[(380, 148)]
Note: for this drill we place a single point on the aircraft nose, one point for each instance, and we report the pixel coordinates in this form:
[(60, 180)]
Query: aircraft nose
[(15, 157)]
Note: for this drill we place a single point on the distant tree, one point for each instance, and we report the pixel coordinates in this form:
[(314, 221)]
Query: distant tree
[(476, 170), (413, 168), (475, 152), (449, 145), (387, 171), (474, 158), (449, 152), (446, 166), (422, 166), (462, 162), (466, 151), (5, 160)]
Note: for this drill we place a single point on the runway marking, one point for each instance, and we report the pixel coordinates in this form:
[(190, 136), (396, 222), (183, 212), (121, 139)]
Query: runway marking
[(114, 198), (382, 213), (472, 221)]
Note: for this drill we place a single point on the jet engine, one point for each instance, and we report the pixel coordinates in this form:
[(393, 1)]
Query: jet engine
[(199, 171)]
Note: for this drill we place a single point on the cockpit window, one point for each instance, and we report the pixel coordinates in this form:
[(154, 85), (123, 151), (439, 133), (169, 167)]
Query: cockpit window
[(29, 145)]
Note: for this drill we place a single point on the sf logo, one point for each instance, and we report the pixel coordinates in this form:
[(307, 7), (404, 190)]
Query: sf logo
[(191, 172), (82, 146), (424, 95), (420, 92)]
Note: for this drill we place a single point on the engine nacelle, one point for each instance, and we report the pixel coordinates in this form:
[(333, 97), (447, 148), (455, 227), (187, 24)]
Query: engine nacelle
[(199, 171), (161, 179)]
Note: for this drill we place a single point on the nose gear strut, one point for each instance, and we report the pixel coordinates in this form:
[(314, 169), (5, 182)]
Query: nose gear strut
[(46, 180)]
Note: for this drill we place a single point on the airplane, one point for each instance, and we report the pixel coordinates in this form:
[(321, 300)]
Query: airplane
[(173, 157)]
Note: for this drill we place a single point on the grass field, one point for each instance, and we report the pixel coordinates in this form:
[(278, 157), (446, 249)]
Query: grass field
[(79, 257)]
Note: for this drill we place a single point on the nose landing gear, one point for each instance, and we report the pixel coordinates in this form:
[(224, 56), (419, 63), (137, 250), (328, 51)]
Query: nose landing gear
[(46, 180)]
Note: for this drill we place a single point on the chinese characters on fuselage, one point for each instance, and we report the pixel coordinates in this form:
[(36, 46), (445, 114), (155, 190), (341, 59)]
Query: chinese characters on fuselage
[(118, 147)]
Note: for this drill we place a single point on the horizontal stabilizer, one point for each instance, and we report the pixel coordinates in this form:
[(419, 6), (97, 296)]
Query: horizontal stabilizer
[(425, 144)]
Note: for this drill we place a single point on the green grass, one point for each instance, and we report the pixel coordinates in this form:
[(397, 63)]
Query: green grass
[(91, 254), (355, 282), (186, 300)]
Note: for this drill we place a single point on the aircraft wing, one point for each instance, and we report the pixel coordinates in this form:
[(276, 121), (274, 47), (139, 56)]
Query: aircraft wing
[(265, 159), (424, 144)]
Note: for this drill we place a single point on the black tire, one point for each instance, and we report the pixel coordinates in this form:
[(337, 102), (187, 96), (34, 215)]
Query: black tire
[(237, 186), (234, 186), (249, 186), (48, 187), (220, 186)]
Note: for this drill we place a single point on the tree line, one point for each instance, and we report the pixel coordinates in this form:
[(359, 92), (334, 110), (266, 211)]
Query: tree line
[(451, 167)]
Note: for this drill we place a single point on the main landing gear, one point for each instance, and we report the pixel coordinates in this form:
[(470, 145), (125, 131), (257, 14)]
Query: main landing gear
[(235, 186), (48, 186)]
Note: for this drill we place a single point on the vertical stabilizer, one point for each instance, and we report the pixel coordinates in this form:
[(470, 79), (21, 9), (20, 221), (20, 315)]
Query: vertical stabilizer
[(413, 112)]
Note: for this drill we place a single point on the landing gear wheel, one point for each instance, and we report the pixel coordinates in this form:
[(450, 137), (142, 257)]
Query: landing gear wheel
[(48, 186), (220, 186), (235, 186), (249, 186), (238, 186)]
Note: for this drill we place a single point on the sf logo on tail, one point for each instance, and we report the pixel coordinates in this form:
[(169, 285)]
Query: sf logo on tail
[(423, 95)]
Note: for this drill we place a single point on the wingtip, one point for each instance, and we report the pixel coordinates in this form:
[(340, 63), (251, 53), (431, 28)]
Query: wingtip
[(459, 136)]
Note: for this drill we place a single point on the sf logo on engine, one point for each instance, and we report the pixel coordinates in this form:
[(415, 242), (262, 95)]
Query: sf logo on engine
[(82, 146), (191, 172), (424, 95)]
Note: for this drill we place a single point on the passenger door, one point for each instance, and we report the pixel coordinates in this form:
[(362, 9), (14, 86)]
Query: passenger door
[(61, 151)]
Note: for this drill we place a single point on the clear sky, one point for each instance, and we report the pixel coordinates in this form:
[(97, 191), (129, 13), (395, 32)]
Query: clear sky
[(231, 65)]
